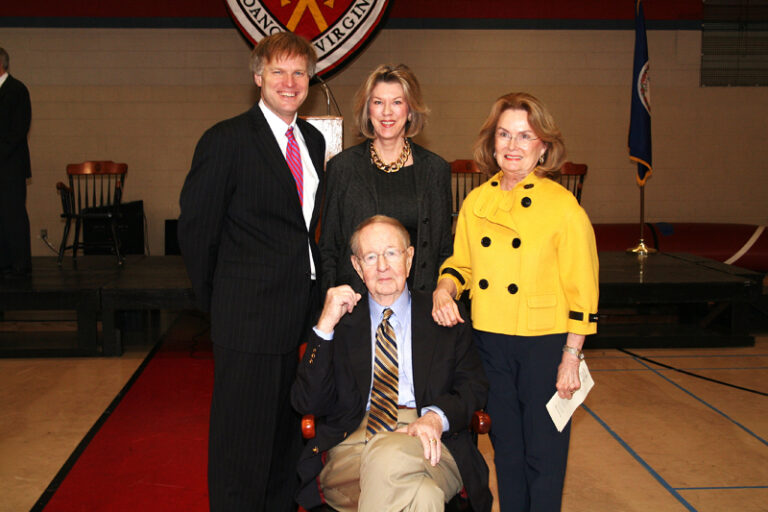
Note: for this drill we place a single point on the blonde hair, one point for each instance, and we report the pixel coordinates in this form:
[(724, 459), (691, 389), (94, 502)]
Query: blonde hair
[(542, 123), (400, 74)]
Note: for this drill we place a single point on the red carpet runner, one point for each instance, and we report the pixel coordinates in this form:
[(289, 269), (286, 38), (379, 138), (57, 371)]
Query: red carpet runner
[(151, 452)]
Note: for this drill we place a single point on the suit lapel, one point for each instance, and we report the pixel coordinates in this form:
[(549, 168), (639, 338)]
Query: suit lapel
[(359, 346), (267, 145), (423, 341), (6, 85), (366, 173), (317, 155), (421, 174)]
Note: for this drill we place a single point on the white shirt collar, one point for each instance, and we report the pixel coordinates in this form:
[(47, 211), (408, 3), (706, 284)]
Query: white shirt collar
[(3, 77), (399, 308), (277, 125)]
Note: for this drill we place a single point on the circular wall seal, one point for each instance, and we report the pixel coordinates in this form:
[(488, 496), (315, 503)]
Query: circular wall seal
[(338, 29)]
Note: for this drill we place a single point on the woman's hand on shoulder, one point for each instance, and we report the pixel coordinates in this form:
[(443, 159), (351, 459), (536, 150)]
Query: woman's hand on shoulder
[(445, 311)]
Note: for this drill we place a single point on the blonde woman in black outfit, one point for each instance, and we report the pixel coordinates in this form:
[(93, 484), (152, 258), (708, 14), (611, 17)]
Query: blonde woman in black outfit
[(387, 174)]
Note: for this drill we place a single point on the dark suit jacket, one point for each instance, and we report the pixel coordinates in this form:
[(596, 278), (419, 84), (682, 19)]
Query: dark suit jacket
[(15, 118), (351, 198), (334, 378), (243, 235)]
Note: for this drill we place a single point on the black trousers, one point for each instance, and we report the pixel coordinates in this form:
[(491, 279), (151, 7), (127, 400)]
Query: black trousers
[(255, 437), (529, 453), (15, 250)]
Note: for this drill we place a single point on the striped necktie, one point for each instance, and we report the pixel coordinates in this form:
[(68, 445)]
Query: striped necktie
[(384, 394), (293, 157)]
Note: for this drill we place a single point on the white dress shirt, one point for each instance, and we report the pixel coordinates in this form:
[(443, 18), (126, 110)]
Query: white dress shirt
[(310, 178)]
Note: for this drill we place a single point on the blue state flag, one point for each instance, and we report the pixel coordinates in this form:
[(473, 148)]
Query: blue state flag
[(640, 119)]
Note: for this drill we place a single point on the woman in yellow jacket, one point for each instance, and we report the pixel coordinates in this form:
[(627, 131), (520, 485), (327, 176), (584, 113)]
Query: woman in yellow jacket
[(525, 251)]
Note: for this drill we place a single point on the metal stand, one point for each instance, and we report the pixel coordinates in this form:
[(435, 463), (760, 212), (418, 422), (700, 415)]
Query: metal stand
[(642, 248)]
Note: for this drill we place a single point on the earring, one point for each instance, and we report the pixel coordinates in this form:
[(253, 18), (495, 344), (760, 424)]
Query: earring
[(541, 159), (494, 154)]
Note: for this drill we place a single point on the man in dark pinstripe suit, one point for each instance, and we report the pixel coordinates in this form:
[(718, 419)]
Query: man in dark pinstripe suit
[(246, 232), (15, 118)]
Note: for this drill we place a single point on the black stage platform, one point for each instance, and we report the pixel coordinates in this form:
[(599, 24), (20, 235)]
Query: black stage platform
[(661, 300), (673, 300), (97, 289)]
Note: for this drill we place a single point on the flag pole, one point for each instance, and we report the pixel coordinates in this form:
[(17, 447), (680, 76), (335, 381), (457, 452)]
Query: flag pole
[(640, 121), (642, 248)]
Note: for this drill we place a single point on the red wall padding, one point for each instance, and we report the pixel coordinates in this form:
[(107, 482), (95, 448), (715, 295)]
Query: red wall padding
[(504, 9)]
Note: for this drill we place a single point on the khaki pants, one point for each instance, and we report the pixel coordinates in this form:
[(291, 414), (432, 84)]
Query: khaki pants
[(389, 473)]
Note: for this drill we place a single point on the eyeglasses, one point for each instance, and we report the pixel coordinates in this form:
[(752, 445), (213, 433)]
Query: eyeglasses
[(372, 258), (522, 139)]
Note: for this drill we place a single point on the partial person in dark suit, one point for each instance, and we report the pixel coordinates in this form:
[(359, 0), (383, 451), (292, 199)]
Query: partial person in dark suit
[(391, 175), (393, 393), (249, 209), (15, 118)]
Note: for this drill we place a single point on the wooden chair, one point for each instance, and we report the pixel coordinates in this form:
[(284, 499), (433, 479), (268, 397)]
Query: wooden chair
[(464, 177), (481, 424), (572, 177), (94, 193)]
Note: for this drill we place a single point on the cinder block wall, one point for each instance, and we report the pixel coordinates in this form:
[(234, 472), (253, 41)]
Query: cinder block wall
[(144, 96)]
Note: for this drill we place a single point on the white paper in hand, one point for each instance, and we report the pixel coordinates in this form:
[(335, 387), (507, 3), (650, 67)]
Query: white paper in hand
[(561, 409)]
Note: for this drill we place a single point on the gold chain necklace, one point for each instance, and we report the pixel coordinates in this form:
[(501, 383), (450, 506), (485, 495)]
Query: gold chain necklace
[(394, 166)]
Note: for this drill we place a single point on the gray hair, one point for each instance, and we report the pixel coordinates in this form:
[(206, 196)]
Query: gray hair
[(354, 241)]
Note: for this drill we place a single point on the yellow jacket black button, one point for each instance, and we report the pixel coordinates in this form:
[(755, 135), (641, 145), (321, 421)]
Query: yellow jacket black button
[(483, 284), (485, 242), (512, 288), (526, 202), (516, 243), (528, 185)]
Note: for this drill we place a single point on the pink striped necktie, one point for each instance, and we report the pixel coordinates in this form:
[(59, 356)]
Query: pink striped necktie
[(293, 157)]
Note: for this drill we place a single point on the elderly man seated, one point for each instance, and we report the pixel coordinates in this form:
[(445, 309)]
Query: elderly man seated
[(392, 391)]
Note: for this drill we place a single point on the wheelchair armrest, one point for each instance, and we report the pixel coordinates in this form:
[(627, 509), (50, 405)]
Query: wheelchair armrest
[(308, 426), (481, 424)]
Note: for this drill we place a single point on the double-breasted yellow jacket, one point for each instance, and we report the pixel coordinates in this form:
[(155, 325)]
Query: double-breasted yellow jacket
[(527, 257)]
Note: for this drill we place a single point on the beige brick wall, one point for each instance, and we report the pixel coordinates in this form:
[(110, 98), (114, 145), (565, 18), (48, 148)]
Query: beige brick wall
[(144, 96)]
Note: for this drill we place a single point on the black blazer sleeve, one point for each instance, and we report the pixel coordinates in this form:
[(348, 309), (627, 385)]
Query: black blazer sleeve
[(440, 213), (314, 390)]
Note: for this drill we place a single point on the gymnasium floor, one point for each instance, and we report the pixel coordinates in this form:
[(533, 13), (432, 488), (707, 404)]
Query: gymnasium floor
[(647, 439)]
